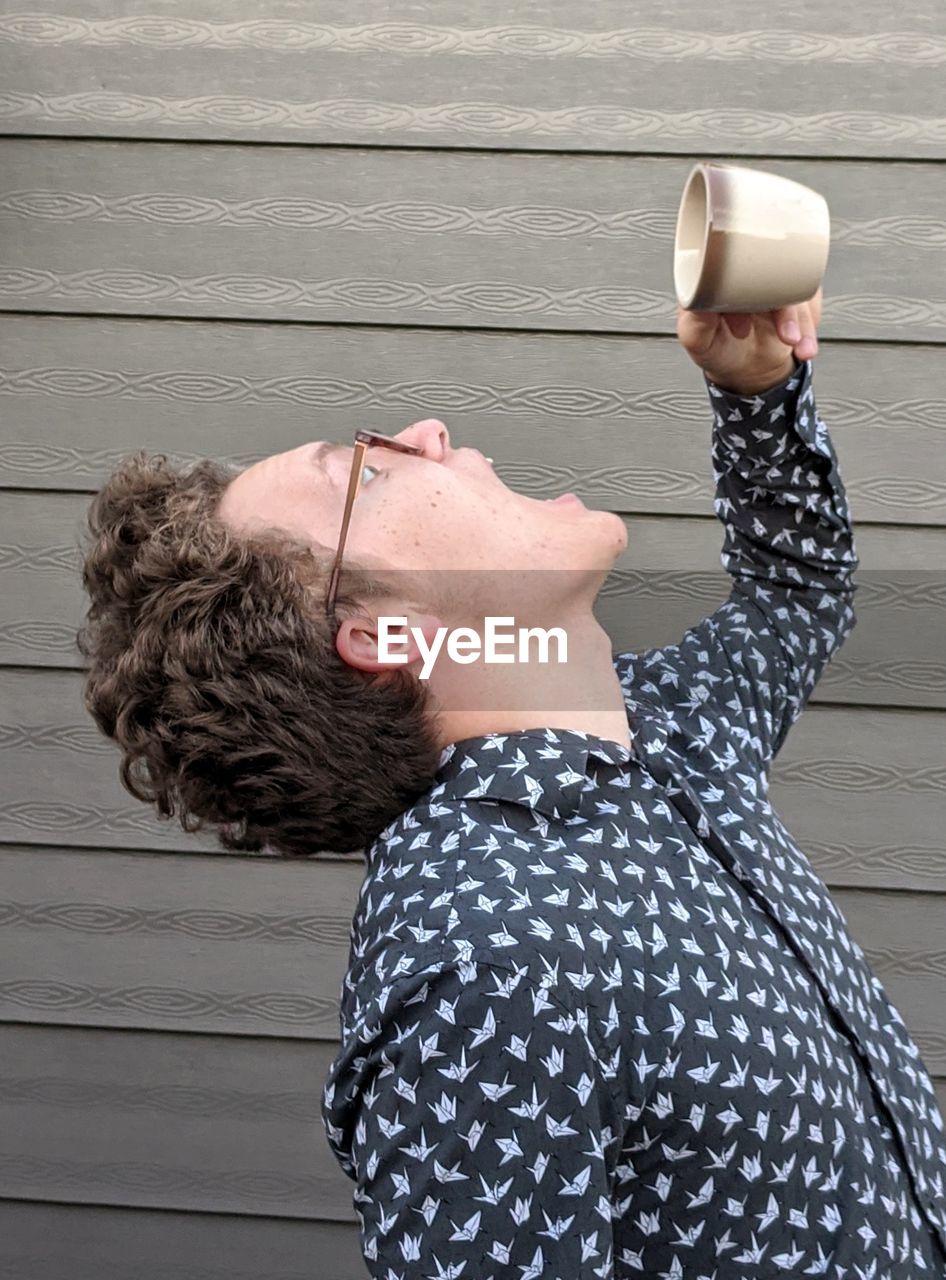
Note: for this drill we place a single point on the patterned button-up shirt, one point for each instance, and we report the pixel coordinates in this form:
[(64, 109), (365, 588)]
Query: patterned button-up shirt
[(601, 1016)]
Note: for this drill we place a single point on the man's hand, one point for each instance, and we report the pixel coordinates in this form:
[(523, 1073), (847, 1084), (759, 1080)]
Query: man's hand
[(749, 352)]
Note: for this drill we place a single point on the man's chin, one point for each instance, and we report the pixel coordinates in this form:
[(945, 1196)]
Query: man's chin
[(592, 543), (610, 535)]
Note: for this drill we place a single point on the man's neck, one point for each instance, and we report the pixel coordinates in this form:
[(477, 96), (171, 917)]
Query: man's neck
[(583, 693)]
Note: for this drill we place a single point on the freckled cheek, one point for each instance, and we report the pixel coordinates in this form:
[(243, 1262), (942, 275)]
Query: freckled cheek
[(405, 527), (440, 518)]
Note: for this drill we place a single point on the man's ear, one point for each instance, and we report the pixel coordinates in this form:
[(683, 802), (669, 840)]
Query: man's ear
[(385, 640)]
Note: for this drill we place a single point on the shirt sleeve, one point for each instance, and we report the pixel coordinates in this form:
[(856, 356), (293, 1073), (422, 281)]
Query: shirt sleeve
[(789, 548), (470, 1118)]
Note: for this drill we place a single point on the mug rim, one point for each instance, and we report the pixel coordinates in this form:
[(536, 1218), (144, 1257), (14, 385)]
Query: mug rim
[(699, 172)]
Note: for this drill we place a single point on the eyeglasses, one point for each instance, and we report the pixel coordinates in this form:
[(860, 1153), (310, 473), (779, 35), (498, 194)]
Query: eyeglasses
[(363, 441)]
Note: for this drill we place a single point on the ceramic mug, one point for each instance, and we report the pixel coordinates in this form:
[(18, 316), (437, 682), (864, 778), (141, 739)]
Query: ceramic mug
[(747, 240)]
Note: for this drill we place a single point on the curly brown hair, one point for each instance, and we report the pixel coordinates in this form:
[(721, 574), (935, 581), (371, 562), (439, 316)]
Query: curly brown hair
[(214, 668)]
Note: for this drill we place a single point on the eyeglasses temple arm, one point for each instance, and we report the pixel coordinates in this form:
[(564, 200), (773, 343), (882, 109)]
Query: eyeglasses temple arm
[(354, 480)]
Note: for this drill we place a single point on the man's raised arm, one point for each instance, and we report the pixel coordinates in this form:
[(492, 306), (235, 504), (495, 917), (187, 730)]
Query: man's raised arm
[(789, 546), (748, 669)]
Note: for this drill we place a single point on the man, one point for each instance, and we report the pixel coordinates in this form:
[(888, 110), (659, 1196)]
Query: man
[(601, 1017)]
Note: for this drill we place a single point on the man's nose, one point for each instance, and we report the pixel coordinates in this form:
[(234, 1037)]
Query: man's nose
[(430, 435)]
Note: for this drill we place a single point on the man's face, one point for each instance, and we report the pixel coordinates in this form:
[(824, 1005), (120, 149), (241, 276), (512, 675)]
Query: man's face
[(444, 509)]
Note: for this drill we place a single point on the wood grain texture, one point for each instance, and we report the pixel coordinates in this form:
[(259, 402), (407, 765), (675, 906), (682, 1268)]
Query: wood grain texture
[(195, 943), (860, 83), (863, 788), (667, 580), (82, 1242), (218, 1124), (624, 422), (487, 240)]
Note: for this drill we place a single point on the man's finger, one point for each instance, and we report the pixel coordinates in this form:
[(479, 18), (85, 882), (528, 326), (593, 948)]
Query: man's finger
[(807, 313), (788, 324)]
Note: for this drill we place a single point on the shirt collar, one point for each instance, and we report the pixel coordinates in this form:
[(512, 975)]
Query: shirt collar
[(543, 769)]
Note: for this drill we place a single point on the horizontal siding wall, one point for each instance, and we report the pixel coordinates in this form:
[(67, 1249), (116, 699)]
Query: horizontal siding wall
[(573, 77), (227, 232), (48, 1241), (509, 241)]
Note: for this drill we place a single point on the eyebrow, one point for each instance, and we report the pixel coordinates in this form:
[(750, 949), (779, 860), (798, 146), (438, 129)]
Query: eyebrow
[(321, 455)]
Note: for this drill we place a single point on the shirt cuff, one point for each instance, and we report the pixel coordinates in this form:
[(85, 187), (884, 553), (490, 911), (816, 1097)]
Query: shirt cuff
[(764, 399)]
